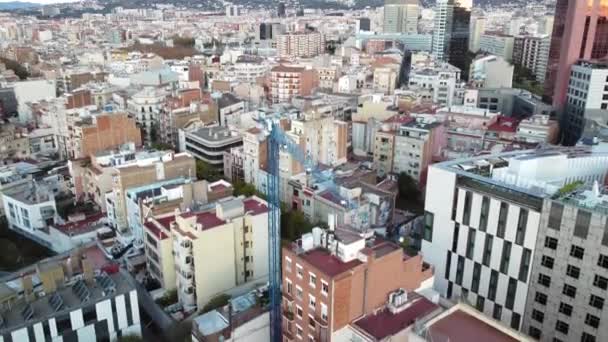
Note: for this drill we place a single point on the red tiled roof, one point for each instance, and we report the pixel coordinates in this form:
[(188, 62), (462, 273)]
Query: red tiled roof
[(208, 220), (384, 323), (504, 124), (403, 119), (150, 226), (254, 206), (218, 187), (459, 326), (80, 227), (327, 263)]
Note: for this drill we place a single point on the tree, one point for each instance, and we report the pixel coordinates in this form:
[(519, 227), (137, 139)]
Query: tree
[(207, 172), (293, 224), (17, 68), (216, 302), (408, 188), (245, 189)]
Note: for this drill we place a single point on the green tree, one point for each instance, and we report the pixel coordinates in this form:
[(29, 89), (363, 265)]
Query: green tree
[(293, 224), (216, 302), (408, 187), (207, 172), (245, 189), (17, 68)]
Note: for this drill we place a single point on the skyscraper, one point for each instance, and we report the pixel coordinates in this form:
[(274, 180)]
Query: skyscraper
[(459, 39), (580, 31), (281, 10), (444, 15), (478, 27), (401, 16)]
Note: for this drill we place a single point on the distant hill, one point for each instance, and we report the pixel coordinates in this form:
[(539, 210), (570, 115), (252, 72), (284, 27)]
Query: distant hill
[(13, 5)]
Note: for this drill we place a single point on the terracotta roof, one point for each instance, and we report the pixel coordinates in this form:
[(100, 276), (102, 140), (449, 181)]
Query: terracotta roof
[(80, 227), (284, 68), (327, 263), (384, 323), (254, 206), (152, 228), (459, 326), (208, 220), (504, 124)]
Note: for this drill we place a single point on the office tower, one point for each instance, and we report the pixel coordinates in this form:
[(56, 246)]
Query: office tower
[(478, 27), (459, 39), (444, 12), (505, 233), (401, 16), (586, 99), (580, 31), (300, 12), (232, 11), (265, 31), (363, 24), (281, 10)]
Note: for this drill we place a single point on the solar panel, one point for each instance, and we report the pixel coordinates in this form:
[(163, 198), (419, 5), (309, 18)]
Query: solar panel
[(27, 313), (106, 282), (82, 291), (56, 301)]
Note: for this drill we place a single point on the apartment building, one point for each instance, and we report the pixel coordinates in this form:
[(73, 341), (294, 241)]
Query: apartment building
[(400, 16), (498, 44), (416, 143), (234, 234), (287, 82), (440, 80), (491, 72), (65, 299), (486, 226), (158, 166), (145, 106), (255, 154), (532, 52), (332, 277), (209, 143), (101, 132), (300, 44), (442, 28)]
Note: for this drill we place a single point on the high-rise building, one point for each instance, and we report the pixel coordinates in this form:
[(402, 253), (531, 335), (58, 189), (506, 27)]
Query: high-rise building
[(459, 39), (300, 44), (586, 99), (478, 27), (265, 31), (532, 53), (498, 44), (444, 13), (281, 13), (511, 235), (363, 24), (580, 31), (401, 16)]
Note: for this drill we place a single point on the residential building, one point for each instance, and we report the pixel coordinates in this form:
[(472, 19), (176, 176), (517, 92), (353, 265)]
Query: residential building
[(459, 37), (328, 277), (586, 99), (416, 143), (440, 82), (579, 29), (229, 110), (491, 72), (64, 298), (498, 44), (300, 44), (255, 154), (517, 103), (401, 16), (98, 133), (363, 24), (287, 82), (538, 129), (145, 106), (209, 143), (234, 234), (532, 52), (386, 78), (485, 228), (442, 28)]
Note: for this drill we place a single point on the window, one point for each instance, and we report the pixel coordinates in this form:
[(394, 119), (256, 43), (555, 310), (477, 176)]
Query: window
[(428, 226), (300, 271), (555, 216), (466, 214), (547, 261), (540, 298), (596, 302), (298, 292), (476, 276), (522, 222), (534, 332), (493, 284), (577, 252), (312, 302), (502, 220), (480, 303), (323, 311), (569, 290), (581, 227), (289, 286), (600, 282), (544, 280), (562, 327), (524, 267), (603, 261), (448, 264), (551, 243), (485, 210), (511, 293), (299, 312), (299, 331), (573, 271), (459, 270), (455, 205), (566, 309), (506, 256), (592, 321), (324, 288), (455, 238), (287, 264), (515, 320), (312, 280), (538, 316), (587, 337), (487, 250), (497, 312), (470, 243), (605, 235)]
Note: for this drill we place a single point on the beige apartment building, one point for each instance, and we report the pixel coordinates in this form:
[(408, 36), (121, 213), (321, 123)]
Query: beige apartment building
[(300, 44), (204, 254), (287, 82)]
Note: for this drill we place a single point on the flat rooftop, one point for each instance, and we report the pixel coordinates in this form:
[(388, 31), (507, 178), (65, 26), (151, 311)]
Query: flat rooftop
[(215, 134), (460, 326), (328, 263)]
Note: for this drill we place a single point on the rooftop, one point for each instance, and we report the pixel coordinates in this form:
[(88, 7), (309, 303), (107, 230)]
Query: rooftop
[(328, 263), (215, 134), (459, 326)]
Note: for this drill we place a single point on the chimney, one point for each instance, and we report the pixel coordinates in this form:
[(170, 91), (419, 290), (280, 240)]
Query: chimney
[(87, 271), (28, 288), (50, 275)]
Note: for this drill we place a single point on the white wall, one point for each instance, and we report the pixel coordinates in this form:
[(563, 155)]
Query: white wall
[(33, 91)]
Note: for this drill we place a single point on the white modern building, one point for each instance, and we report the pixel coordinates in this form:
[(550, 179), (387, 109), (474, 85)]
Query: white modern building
[(478, 27), (209, 143), (491, 72), (498, 44), (444, 13), (401, 16)]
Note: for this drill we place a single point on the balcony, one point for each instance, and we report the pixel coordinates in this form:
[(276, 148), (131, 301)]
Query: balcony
[(288, 315)]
